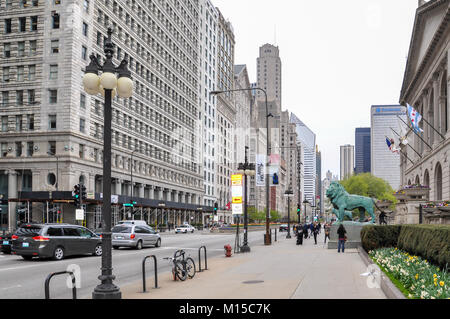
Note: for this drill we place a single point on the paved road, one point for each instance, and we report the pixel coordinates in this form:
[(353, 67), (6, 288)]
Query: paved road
[(21, 279)]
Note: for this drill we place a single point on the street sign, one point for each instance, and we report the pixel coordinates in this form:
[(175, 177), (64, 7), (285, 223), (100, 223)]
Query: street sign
[(237, 209), (236, 189), (79, 214)]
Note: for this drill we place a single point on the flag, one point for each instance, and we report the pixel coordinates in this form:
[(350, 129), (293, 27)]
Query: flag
[(415, 118), (228, 206), (260, 164), (402, 133), (391, 144)]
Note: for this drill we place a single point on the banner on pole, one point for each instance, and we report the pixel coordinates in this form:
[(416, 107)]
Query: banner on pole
[(260, 164)]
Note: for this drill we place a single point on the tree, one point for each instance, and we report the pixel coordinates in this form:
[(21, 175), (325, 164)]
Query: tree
[(366, 184)]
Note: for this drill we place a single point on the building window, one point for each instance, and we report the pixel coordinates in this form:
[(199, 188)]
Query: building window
[(22, 24), (82, 101), (6, 50), (31, 72), (30, 149), (55, 46), (85, 29), (21, 49), (6, 74), (18, 149), (53, 96), (31, 96), (5, 98), (52, 122), (20, 72), (19, 123), (34, 23), (84, 52), (55, 20), (52, 147), (33, 47), (86, 5), (4, 150), (30, 122), (19, 97), (7, 25), (82, 125), (4, 124), (81, 151), (53, 72)]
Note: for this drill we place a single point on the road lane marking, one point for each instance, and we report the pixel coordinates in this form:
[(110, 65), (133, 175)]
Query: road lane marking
[(16, 286)]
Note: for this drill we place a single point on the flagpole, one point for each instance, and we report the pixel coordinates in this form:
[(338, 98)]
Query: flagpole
[(407, 157), (399, 150), (415, 133), (433, 128), (406, 144)]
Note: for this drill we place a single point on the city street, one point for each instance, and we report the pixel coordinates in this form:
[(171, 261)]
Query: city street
[(25, 279)]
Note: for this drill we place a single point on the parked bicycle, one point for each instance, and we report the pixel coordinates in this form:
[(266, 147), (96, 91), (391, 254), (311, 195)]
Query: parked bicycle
[(182, 267)]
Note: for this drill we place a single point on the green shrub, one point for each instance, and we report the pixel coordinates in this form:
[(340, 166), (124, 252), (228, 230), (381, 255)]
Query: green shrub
[(373, 237), (431, 242)]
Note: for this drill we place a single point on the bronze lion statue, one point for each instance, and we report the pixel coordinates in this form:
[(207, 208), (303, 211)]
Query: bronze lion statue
[(344, 203)]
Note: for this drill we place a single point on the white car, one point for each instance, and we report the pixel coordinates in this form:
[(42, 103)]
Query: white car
[(184, 229)]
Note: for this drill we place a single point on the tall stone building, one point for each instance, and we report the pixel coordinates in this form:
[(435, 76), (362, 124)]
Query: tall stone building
[(347, 161), (425, 87), (52, 131), (226, 117), (269, 73), (319, 197), (209, 18)]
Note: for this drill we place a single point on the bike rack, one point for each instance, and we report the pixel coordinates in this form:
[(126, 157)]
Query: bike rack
[(47, 283), (143, 272), (200, 261)]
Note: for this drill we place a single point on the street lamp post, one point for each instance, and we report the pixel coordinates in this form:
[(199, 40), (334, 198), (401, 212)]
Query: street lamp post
[(108, 85), (288, 194), (246, 169), (304, 205), (267, 237)]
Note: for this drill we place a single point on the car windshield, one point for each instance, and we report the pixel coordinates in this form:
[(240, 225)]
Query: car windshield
[(121, 229), (184, 226), (28, 231)]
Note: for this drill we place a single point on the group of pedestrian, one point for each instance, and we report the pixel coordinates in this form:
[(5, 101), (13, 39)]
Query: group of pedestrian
[(306, 231)]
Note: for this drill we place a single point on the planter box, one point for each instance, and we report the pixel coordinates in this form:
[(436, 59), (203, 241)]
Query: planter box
[(444, 208), (417, 192), (385, 204), (429, 210)]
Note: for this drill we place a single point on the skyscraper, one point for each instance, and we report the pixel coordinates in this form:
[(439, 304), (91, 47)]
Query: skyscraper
[(384, 163), (347, 161), (362, 150), (269, 72), (319, 178), (307, 138)]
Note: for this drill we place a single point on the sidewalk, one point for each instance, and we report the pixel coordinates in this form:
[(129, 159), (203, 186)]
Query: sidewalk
[(282, 270)]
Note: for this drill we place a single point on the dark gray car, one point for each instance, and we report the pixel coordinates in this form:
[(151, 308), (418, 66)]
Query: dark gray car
[(54, 241)]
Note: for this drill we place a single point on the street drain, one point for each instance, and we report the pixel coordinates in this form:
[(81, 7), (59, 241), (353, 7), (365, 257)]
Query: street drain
[(253, 282)]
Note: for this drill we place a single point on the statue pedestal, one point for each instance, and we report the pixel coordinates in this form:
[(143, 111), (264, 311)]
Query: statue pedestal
[(353, 235)]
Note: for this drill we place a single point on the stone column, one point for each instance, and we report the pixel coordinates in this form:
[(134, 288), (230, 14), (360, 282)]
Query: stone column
[(437, 109), (141, 191), (426, 127), (12, 193), (151, 192)]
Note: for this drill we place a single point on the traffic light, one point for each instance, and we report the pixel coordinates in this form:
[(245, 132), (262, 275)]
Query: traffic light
[(275, 179), (76, 195), (216, 207), (298, 209), (83, 192)]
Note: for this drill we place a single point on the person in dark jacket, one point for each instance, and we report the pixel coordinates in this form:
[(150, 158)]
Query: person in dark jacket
[(341, 235), (326, 229), (315, 232), (300, 235), (305, 230)]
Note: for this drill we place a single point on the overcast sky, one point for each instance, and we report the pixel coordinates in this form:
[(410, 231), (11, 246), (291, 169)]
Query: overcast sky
[(338, 58)]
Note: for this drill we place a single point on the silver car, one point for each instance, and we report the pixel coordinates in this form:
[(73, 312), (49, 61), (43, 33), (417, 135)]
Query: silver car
[(136, 236)]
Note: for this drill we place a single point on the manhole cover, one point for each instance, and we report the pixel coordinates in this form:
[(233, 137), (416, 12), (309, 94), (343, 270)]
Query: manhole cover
[(253, 282)]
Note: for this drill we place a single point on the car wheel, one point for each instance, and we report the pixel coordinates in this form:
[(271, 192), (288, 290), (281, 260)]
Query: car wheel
[(139, 245), (115, 247), (192, 231), (27, 257), (58, 254), (98, 250), (158, 243)]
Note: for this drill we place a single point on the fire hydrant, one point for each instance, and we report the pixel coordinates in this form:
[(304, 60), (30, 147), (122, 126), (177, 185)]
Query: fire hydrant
[(227, 250)]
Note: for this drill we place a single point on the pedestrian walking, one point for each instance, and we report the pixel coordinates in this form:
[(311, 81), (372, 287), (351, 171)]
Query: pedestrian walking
[(326, 229), (305, 231), (311, 228), (342, 238), (315, 232), (320, 226), (300, 235)]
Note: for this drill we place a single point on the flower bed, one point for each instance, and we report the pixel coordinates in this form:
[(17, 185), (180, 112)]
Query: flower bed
[(417, 276)]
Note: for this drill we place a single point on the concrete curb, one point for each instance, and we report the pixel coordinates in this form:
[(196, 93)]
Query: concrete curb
[(386, 284)]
